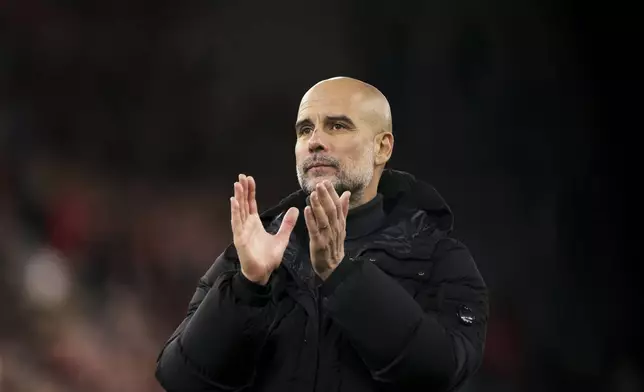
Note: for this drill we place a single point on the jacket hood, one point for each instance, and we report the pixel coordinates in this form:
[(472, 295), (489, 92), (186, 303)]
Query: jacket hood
[(402, 193), (403, 190)]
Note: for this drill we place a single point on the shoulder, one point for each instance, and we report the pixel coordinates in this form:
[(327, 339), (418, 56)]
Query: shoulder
[(275, 212), (453, 265), (226, 263), (449, 257)]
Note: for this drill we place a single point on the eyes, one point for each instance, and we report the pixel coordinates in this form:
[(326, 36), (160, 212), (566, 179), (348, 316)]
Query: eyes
[(304, 130), (307, 129)]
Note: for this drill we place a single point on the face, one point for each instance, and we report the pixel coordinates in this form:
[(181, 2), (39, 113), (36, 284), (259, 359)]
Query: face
[(335, 142)]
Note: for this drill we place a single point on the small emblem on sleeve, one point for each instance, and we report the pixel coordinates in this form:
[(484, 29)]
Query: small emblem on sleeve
[(466, 315)]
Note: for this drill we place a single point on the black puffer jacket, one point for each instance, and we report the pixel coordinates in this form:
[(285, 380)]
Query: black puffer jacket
[(407, 312)]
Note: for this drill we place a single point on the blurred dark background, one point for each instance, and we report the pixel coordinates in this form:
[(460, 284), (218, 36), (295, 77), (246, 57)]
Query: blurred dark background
[(123, 125)]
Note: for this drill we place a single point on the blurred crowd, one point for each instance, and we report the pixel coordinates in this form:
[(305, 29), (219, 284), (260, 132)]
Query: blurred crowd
[(95, 277)]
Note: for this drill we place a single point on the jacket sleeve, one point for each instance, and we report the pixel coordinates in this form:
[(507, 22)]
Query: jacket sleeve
[(215, 347), (400, 342)]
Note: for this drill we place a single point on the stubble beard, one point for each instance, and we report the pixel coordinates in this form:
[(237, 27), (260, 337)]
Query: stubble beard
[(355, 179)]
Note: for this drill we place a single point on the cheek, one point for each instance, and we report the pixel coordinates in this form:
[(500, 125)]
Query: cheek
[(300, 152), (358, 153)]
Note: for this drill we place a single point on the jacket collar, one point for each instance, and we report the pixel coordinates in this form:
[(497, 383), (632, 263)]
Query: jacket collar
[(403, 194)]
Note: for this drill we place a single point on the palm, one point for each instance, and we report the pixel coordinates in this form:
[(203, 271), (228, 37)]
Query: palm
[(260, 253)]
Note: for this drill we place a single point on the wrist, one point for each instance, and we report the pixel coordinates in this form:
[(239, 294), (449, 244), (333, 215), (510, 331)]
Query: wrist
[(342, 272), (250, 293), (260, 279), (324, 274)]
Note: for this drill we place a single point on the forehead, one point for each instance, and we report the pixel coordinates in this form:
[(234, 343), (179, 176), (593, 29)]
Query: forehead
[(317, 106)]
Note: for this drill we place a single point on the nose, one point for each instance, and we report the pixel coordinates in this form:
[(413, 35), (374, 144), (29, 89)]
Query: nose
[(316, 144)]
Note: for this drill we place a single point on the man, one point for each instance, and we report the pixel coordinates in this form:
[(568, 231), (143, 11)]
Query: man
[(363, 291)]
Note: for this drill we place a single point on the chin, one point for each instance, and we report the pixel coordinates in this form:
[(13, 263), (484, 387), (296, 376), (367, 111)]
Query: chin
[(313, 181)]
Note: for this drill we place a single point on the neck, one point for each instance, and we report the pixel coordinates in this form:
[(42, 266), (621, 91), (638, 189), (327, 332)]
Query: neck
[(367, 194), (365, 219), (361, 198)]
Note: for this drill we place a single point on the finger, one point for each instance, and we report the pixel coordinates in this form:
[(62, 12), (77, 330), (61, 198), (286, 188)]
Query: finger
[(243, 203), (318, 211), (239, 191), (288, 223), (311, 224), (337, 204), (243, 180), (327, 203), (344, 199), (252, 203), (235, 217)]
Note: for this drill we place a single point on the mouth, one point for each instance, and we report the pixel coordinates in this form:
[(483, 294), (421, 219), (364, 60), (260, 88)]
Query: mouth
[(319, 166)]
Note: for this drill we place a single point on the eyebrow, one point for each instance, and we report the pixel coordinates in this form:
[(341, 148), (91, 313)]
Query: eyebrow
[(303, 122), (327, 120), (342, 118)]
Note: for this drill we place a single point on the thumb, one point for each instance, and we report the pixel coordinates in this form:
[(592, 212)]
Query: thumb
[(288, 223)]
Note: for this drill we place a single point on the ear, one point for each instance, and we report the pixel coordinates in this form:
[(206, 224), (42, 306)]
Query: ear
[(384, 144)]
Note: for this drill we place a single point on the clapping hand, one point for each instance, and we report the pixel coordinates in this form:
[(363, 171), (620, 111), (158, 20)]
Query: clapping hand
[(260, 253), (326, 220)]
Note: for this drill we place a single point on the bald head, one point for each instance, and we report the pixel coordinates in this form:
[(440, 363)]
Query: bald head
[(355, 95), (344, 135)]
